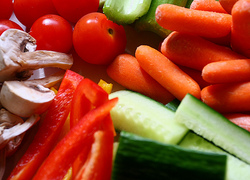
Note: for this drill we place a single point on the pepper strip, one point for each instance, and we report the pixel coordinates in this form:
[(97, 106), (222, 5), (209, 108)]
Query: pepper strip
[(88, 95), (49, 129), (66, 151)]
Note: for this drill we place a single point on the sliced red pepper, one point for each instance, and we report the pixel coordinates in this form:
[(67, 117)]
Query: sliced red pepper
[(108, 128), (49, 130), (66, 151), (87, 96), (98, 166)]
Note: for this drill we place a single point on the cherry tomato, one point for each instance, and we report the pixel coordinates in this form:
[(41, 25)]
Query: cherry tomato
[(52, 32), (6, 9), (98, 40), (8, 24), (74, 10), (27, 11)]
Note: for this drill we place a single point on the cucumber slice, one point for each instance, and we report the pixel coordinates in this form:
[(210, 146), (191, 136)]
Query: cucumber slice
[(140, 158), (146, 117), (148, 22), (173, 105), (213, 126), (236, 169), (189, 2), (125, 12)]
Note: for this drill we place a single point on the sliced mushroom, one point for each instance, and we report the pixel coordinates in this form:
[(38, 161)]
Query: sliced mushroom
[(12, 130), (7, 120), (18, 56), (24, 99)]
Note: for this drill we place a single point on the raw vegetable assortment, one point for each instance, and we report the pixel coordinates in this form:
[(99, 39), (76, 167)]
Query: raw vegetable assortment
[(174, 92)]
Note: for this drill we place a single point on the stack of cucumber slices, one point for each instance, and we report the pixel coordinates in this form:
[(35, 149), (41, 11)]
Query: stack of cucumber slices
[(186, 140)]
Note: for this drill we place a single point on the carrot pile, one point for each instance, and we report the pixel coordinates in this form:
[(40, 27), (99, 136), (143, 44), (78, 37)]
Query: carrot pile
[(206, 55)]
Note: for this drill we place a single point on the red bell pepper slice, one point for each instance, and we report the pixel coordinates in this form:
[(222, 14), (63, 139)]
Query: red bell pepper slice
[(98, 165), (87, 96), (66, 151), (49, 130)]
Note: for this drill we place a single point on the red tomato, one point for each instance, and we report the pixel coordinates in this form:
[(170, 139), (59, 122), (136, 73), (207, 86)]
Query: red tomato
[(6, 9), (7, 24), (27, 11), (52, 32), (98, 40), (74, 10)]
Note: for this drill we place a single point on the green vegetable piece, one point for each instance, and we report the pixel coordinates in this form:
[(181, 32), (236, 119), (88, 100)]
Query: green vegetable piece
[(214, 127), (148, 22), (189, 2), (146, 117), (141, 158), (125, 12), (236, 169), (173, 105)]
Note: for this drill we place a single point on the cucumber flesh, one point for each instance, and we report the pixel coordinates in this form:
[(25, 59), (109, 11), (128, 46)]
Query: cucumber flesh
[(214, 127), (125, 12), (236, 169), (140, 158), (146, 117)]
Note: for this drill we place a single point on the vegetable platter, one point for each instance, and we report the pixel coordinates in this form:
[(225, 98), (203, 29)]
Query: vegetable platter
[(124, 89)]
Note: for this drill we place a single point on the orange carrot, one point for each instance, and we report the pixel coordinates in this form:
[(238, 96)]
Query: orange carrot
[(126, 70), (240, 35), (166, 73), (207, 5), (240, 119), (196, 75), (194, 51), (227, 71), (227, 98), (201, 23), (227, 5)]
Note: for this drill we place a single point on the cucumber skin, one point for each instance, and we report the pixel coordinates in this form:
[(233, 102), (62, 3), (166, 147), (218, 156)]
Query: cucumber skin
[(140, 158), (148, 23), (213, 126), (236, 169), (145, 117)]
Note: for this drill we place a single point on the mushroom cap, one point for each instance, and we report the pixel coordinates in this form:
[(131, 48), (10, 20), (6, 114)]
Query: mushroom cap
[(25, 99)]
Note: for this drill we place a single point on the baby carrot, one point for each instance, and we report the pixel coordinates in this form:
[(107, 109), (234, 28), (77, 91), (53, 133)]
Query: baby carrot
[(207, 5), (126, 70), (196, 75), (227, 5), (240, 35), (227, 71), (227, 98), (194, 51), (240, 119), (201, 23), (166, 72)]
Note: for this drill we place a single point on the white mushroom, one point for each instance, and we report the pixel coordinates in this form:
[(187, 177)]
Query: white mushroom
[(18, 56), (25, 99), (12, 130)]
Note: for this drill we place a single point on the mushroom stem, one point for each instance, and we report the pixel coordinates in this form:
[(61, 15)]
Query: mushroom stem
[(18, 56)]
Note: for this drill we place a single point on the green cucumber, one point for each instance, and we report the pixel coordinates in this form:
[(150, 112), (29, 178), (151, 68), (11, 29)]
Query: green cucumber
[(148, 22), (141, 158), (189, 2), (125, 12), (236, 169), (173, 105), (213, 126), (146, 117)]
